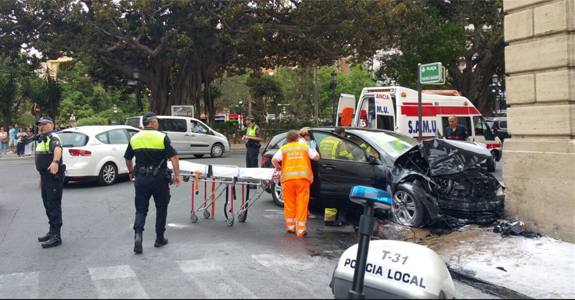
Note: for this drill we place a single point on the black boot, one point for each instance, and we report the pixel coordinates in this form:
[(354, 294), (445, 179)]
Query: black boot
[(54, 240), (45, 238), (160, 240), (138, 243)]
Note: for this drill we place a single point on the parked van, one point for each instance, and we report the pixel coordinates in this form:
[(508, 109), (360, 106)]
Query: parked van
[(396, 109), (189, 136)]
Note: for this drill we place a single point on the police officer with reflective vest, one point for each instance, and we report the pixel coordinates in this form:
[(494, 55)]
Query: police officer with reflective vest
[(49, 165), (151, 176), (333, 148), (252, 140), (296, 178)]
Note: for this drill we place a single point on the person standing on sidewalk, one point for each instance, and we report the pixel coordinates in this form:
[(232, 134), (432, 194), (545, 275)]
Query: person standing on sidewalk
[(49, 165), (3, 141), (296, 178), (152, 149), (252, 139)]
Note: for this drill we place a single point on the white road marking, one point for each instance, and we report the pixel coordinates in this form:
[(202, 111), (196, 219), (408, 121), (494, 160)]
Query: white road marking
[(19, 285), (117, 282), (213, 280), (280, 265)]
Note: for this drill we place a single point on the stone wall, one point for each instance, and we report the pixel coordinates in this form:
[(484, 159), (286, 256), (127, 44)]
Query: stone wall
[(539, 159)]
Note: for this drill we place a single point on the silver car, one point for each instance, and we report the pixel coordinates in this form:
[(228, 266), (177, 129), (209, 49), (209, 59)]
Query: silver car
[(189, 136)]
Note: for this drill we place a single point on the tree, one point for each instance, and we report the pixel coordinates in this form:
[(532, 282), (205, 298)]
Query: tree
[(466, 36), (267, 94), (180, 47)]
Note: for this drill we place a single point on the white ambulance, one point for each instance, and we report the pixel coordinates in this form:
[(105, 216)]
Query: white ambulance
[(395, 108)]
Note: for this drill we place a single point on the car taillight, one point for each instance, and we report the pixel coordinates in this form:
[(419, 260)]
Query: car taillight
[(79, 152), (265, 160)]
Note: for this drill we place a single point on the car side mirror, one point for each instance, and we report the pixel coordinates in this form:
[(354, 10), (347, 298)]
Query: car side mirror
[(372, 160)]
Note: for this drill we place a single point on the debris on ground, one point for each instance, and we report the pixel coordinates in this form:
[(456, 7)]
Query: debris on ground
[(507, 228)]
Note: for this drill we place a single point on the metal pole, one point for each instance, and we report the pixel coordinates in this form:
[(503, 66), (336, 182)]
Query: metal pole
[(334, 100), (366, 222), (419, 112), (139, 105), (315, 97)]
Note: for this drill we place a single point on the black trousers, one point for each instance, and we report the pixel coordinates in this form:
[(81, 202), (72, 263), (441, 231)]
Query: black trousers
[(146, 187), (52, 186), (252, 156)]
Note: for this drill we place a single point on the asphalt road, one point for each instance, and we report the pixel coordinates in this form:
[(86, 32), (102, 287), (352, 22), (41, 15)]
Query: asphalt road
[(208, 259)]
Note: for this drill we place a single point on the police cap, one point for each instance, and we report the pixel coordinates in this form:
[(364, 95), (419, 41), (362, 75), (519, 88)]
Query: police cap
[(45, 120), (148, 117)]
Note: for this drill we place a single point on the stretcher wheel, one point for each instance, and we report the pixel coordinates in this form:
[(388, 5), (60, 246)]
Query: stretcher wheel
[(206, 214), (230, 221), (243, 216), (186, 178), (194, 218)]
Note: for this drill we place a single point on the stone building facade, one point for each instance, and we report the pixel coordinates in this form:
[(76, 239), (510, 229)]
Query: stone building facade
[(539, 159)]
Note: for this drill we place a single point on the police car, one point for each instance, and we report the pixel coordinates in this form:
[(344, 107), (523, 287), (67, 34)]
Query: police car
[(96, 152)]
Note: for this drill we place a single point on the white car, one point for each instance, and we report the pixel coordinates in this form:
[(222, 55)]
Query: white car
[(96, 152)]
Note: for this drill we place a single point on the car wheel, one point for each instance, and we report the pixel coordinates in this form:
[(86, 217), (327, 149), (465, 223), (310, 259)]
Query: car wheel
[(407, 207), (490, 164), (496, 155), (108, 174), (198, 155), (217, 150), (277, 195)]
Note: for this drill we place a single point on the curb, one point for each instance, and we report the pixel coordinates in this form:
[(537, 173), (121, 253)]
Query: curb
[(485, 286), (16, 158)]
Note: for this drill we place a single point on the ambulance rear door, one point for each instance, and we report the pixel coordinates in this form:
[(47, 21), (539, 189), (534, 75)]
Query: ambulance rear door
[(385, 111), (345, 111)]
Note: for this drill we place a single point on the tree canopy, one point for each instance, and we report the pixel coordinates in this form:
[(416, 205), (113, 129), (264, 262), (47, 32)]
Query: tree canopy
[(178, 48)]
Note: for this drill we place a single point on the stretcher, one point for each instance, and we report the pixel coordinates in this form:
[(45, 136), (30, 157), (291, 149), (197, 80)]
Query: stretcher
[(224, 181)]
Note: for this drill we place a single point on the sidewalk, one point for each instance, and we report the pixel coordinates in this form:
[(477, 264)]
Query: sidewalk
[(13, 156), (239, 148), (510, 267)]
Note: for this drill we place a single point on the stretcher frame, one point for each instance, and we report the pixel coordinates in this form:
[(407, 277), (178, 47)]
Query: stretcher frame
[(217, 185)]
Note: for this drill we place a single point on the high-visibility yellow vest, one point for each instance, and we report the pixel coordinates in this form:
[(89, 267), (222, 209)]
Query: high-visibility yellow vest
[(252, 131), (148, 139), (295, 162), (328, 149)]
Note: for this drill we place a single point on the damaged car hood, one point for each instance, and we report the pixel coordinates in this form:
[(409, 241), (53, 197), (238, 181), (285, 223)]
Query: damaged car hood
[(444, 157), (463, 191)]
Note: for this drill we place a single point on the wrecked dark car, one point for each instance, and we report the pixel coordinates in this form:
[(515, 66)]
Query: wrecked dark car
[(437, 180), (443, 180)]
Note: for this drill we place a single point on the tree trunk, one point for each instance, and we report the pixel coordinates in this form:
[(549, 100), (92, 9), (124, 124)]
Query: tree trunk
[(159, 86), (208, 103)]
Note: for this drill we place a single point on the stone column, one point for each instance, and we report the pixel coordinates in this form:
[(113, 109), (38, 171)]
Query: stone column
[(539, 159)]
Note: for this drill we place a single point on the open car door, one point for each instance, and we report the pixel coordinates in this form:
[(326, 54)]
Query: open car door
[(345, 110)]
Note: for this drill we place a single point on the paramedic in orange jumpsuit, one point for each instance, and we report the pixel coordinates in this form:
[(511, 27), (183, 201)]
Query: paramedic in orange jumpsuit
[(296, 178)]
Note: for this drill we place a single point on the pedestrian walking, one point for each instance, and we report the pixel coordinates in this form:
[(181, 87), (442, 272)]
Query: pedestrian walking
[(296, 178), (51, 168), (151, 177), (252, 139), (3, 141)]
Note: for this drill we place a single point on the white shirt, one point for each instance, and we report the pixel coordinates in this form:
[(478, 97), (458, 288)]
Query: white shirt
[(312, 153)]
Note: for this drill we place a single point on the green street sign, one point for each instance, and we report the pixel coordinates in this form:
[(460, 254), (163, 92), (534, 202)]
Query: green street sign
[(431, 73)]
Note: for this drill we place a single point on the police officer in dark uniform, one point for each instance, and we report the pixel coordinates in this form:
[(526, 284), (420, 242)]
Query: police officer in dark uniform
[(252, 139), (49, 165), (152, 149)]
